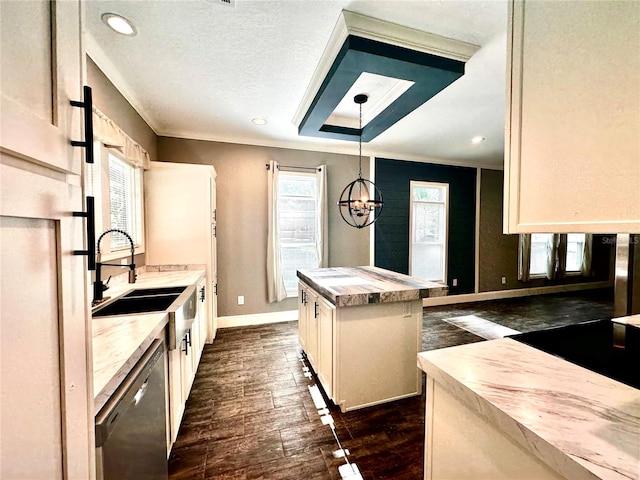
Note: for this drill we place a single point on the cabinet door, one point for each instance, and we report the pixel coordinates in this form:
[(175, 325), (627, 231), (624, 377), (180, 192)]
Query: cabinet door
[(311, 341), (44, 314), (41, 73), (203, 321), (572, 152), (326, 316), (302, 316), (176, 391)]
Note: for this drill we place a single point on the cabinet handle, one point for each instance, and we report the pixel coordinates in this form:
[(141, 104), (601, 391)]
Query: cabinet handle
[(90, 215), (215, 228), (215, 289), (215, 214), (202, 293), (302, 297), (87, 104), (315, 309)]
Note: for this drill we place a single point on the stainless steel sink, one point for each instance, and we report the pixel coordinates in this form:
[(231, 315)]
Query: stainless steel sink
[(178, 302)]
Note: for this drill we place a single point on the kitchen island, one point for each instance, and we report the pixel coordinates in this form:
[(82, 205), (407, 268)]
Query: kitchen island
[(504, 410), (360, 328)]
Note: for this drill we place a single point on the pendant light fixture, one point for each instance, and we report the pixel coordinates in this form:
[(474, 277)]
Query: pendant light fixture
[(361, 202)]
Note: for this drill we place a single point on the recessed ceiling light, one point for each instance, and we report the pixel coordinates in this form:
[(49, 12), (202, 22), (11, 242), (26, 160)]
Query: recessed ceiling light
[(477, 139), (119, 24), (259, 121)]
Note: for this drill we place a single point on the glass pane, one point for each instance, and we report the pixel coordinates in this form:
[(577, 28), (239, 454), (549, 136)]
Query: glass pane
[(294, 258), (428, 193), (428, 223), (538, 265), (121, 201), (575, 247), (427, 261), (297, 226)]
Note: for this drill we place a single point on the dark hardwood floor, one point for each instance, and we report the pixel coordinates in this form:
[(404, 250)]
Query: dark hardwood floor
[(250, 414)]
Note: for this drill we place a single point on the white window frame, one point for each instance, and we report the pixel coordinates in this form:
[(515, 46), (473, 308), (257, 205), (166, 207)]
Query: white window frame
[(98, 186), (412, 185), (284, 173)]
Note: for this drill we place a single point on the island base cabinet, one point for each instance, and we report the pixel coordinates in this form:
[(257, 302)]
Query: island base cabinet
[(363, 355), (375, 351), (461, 445)]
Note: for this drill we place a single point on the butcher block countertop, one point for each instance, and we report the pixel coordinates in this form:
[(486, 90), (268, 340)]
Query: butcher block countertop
[(119, 341), (350, 286)]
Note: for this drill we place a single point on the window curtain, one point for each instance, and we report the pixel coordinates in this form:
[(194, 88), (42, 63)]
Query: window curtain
[(112, 136), (275, 280), (524, 257), (559, 258), (585, 266), (322, 218)]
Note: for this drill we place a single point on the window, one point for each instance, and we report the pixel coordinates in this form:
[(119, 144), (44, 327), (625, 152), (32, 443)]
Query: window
[(575, 250), (538, 265), (428, 217), (541, 245), (297, 225), (117, 187)]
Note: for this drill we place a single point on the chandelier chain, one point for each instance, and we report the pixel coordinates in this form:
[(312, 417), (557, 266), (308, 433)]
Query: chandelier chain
[(360, 146)]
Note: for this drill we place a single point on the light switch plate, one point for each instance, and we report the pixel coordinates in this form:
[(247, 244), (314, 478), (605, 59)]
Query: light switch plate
[(240, 299)]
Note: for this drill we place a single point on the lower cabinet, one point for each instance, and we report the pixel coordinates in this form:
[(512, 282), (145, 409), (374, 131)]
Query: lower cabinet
[(183, 365), (316, 318), (362, 355)]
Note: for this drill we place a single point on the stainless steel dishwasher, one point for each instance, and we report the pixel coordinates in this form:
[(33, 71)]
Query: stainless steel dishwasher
[(131, 435)]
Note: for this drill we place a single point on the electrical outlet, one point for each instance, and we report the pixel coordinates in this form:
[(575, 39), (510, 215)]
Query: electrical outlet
[(125, 261), (504, 280), (406, 309), (240, 299), (455, 282)]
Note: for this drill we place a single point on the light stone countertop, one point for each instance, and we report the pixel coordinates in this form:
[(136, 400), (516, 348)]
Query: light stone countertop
[(350, 286), (632, 320), (581, 424), (120, 341)]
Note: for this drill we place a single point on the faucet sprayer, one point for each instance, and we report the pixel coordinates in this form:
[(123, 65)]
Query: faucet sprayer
[(98, 286)]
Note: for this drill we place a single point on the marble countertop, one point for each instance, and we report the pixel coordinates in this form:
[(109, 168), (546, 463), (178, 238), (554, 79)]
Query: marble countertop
[(581, 424), (632, 320), (350, 286), (120, 341)]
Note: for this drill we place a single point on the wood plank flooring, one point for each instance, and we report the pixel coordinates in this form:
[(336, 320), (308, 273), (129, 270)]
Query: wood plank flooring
[(250, 414)]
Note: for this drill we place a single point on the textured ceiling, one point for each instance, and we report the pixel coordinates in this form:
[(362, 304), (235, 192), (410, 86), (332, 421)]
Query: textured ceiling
[(199, 69)]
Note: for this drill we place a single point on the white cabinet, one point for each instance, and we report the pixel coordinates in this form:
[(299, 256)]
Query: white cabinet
[(202, 320), (325, 361), (180, 222), (46, 400), (316, 318), (363, 355), (572, 152)]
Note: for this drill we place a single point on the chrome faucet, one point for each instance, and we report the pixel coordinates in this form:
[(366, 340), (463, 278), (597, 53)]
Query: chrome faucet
[(98, 286)]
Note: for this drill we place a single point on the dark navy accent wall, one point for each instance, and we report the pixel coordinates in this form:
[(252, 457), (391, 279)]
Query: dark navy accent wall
[(392, 227)]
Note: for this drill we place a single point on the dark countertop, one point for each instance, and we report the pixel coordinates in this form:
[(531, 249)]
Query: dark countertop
[(350, 286)]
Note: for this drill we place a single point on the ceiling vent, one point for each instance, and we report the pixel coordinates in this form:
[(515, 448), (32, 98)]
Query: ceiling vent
[(226, 3)]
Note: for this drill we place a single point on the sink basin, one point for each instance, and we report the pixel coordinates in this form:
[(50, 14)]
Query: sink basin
[(145, 292), (124, 305), (180, 303)]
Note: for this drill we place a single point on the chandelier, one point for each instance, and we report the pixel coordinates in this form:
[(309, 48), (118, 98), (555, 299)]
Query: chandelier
[(361, 202)]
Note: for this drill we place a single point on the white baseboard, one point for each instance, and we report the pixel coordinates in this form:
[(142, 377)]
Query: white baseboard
[(516, 292), (257, 319), (292, 315)]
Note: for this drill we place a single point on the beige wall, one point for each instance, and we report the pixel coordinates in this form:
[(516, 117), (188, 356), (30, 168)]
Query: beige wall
[(110, 101), (242, 214), (499, 252)]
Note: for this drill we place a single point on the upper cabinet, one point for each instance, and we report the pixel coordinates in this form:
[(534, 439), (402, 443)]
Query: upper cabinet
[(39, 78), (572, 139)]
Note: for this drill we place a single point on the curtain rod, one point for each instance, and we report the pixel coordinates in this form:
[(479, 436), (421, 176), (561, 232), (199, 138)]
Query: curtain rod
[(294, 167)]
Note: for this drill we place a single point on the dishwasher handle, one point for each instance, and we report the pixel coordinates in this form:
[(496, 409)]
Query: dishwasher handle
[(131, 390)]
